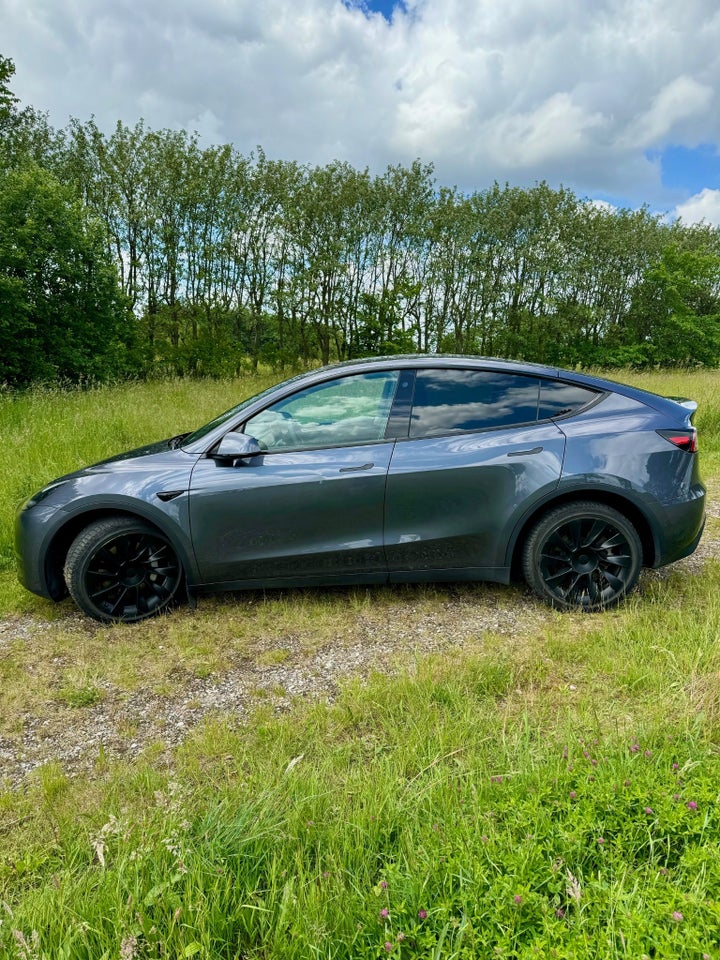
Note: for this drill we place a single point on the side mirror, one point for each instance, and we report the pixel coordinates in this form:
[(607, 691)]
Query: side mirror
[(234, 446)]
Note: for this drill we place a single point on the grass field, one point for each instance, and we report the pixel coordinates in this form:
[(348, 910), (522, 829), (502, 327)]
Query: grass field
[(501, 780)]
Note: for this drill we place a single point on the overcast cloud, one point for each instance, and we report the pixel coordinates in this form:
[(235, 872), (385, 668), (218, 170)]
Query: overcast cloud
[(582, 92)]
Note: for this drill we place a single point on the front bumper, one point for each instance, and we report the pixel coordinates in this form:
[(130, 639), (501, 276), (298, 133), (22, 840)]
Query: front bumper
[(33, 527)]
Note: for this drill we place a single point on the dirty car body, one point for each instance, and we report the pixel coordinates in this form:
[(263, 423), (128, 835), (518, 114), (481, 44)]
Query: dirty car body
[(382, 471)]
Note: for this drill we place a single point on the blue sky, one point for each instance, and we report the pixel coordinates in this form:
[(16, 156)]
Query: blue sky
[(385, 7), (690, 169), (617, 100)]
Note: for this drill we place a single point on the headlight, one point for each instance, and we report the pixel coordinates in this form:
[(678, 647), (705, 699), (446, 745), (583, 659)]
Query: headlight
[(42, 494)]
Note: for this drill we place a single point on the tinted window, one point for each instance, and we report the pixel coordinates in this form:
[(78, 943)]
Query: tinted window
[(447, 401), (345, 411), (558, 399)]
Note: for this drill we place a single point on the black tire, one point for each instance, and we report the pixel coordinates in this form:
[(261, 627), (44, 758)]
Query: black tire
[(582, 556), (122, 569)]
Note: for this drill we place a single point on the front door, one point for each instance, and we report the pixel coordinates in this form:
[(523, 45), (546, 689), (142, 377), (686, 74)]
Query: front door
[(310, 506)]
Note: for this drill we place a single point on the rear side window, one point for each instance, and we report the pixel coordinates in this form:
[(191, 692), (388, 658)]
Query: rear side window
[(450, 401), (558, 399)]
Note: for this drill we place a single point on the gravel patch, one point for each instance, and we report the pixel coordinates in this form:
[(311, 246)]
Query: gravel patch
[(123, 725)]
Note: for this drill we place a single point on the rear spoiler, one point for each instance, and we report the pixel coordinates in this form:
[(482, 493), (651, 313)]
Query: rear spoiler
[(689, 405)]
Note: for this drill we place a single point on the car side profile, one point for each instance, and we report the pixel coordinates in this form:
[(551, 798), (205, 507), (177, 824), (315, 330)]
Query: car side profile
[(388, 470)]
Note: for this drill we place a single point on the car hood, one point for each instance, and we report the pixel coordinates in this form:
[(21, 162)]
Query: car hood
[(154, 459), (149, 450)]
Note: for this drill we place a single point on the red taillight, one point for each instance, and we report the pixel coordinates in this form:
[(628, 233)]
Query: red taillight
[(684, 439)]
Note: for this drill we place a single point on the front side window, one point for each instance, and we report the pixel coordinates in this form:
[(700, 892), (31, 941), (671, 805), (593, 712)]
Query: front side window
[(450, 401), (342, 412)]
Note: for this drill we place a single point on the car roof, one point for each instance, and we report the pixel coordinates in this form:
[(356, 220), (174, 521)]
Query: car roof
[(442, 360)]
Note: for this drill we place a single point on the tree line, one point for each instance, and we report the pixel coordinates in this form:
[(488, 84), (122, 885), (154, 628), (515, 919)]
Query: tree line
[(142, 252)]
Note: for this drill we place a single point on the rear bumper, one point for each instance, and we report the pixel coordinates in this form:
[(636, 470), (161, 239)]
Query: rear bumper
[(678, 528)]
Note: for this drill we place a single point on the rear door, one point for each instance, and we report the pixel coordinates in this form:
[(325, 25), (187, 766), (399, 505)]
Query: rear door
[(474, 459)]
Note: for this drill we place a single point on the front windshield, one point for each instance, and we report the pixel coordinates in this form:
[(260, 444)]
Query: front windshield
[(233, 413)]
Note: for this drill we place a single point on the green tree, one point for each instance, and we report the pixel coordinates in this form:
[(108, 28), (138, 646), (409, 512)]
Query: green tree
[(675, 317), (7, 98), (61, 312)]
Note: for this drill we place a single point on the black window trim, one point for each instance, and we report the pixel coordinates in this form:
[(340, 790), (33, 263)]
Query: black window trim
[(399, 418)]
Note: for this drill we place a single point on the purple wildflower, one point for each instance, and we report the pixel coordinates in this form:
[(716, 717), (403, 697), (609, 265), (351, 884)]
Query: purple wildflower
[(677, 916), (422, 914), (634, 747), (648, 810), (388, 946), (383, 884), (518, 899), (384, 913), (676, 766), (559, 913), (601, 840), (648, 753), (691, 805), (572, 794)]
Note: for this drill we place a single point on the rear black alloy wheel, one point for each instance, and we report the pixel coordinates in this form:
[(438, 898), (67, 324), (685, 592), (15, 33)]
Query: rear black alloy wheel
[(121, 569), (584, 556)]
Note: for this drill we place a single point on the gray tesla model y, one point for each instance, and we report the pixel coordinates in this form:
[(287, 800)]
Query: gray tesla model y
[(382, 471)]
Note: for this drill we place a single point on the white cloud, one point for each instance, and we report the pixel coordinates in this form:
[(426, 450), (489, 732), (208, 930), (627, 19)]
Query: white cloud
[(520, 90), (704, 206), (602, 205), (680, 100), (557, 129)]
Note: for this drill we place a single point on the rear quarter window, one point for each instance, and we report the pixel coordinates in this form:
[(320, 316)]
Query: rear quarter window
[(558, 399)]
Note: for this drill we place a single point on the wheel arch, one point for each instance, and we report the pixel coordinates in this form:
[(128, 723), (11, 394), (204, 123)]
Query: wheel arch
[(64, 536), (629, 510)]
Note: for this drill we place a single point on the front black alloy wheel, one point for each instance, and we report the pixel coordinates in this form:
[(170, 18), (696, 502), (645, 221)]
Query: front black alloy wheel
[(121, 569), (583, 556)]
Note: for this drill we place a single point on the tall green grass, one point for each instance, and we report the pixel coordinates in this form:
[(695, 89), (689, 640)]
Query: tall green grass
[(546, 791), (415, 818)]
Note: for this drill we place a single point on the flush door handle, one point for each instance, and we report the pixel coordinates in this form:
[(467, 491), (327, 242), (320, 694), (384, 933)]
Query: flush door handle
[(525, 453), (363, 466)]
